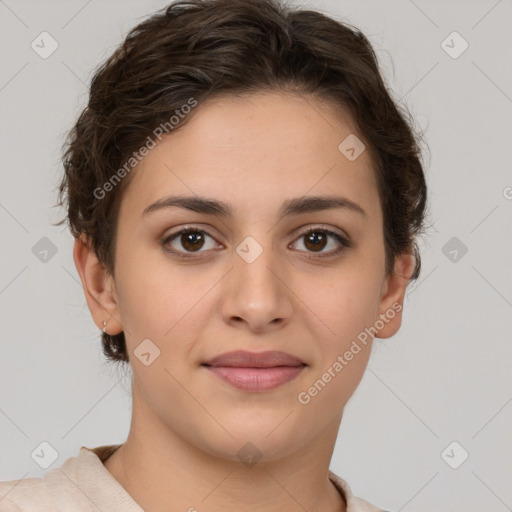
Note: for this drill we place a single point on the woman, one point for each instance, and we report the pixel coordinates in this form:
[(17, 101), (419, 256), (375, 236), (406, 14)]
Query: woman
[(245, 199)]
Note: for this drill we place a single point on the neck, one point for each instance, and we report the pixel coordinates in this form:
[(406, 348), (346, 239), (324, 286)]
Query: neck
[(164, 472)]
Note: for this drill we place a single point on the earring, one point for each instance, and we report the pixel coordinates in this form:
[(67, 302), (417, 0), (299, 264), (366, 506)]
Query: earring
[(104, 325)]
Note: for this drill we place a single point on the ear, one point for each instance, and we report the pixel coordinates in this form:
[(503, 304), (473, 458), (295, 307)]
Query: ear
[(99, 287), (392, 295)]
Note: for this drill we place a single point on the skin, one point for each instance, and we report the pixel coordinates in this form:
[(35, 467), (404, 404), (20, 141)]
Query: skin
[(252, 152)]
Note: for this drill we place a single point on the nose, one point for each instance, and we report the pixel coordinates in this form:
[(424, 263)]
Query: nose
[(256, 293)]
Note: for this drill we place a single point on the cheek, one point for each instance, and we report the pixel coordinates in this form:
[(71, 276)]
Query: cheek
[(341, 306), (339, 314), (168, 306), (330, 387)]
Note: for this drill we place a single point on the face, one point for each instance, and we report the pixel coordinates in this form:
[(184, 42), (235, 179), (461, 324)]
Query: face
[(306, 282)]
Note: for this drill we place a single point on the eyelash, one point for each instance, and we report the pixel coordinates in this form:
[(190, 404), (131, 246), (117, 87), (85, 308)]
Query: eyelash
[(345, 244)]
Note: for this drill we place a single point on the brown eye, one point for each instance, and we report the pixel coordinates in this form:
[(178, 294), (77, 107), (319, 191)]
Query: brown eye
[(315, 240), (192, 240), (188, 241)]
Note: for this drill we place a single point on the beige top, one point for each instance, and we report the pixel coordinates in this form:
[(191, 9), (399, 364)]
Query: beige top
[(83, 484)]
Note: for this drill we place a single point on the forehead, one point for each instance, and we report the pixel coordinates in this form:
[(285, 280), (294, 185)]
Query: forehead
[(255, 150)]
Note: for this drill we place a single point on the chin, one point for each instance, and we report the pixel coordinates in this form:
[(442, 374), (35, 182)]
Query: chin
[(255, 441)]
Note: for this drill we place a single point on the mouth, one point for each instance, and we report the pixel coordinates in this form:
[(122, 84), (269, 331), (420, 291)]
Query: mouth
[(256, 372)]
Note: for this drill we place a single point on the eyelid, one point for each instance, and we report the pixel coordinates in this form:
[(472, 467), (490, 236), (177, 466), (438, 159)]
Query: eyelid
[(326, 228)]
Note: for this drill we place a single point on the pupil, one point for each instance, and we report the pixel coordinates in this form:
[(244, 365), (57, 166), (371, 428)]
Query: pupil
[(315, 238), (191, 239)]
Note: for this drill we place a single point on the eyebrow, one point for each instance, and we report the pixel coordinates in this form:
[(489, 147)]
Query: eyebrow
[(297, 206)]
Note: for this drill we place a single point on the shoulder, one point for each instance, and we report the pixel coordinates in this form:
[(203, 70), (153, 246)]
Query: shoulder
[(25, 495), (354, 504), (59, 489)]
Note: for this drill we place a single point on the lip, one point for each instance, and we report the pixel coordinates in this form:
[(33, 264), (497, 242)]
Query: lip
[(255, 371), (245, 359)]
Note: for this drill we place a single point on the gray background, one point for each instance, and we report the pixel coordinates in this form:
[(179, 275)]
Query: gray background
[(446, 376)]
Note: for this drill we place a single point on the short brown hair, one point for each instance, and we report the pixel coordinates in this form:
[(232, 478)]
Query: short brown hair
[(204, 48)]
